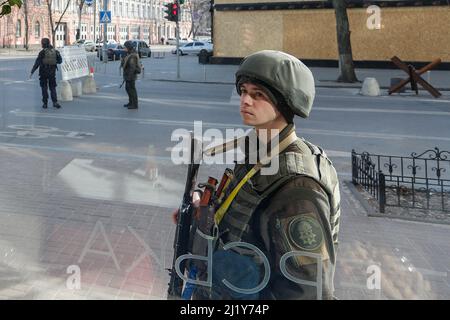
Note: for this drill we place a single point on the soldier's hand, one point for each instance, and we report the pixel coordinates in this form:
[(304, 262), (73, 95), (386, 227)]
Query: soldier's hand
[(195, 202)]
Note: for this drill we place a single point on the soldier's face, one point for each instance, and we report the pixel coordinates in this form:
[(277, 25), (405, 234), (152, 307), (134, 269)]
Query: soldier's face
[(256, 109)]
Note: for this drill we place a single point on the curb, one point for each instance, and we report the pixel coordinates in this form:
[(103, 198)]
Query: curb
[(370, 210), (193, 81), (410, 219), (374, 213)]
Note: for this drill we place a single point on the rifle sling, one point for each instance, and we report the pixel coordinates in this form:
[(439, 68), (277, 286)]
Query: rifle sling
[(220, 213)]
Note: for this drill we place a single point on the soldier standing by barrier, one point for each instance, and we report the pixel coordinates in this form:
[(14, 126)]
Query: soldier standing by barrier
[(47, 62), (131, 68)]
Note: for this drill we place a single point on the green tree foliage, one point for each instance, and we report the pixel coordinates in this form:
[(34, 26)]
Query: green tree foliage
[(7, 6)]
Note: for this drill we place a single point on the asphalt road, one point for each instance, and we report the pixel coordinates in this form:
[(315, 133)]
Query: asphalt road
[(341, 120)]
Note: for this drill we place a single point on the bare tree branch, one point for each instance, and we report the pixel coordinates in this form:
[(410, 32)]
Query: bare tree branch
[(52, 27)]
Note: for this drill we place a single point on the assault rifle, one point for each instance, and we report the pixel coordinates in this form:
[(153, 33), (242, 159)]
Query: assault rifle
[(184, 221)]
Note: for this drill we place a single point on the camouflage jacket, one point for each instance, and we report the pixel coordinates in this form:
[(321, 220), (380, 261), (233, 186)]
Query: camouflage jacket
[(130, 65)]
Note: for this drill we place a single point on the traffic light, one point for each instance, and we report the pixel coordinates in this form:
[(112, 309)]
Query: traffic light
[(172, 11), (168, 11), (175, 10)]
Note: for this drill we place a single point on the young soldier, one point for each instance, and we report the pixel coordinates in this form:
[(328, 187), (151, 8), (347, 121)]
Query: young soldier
[(47, 61), (131, 68), (294, 211)]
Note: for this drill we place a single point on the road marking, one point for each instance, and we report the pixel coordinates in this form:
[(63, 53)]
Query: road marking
[(201, 104), (370, 110), (19, 113), (189, 124), (85, 152), (393, 98), (16, 82), (40, 132), (110, 85), (138, 120), (399, 111)]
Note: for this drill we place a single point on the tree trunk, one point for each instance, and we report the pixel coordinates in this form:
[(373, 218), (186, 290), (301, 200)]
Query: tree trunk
[(50, 15), (50, 19), (25, 11), (346, 66), (80, 7), (192, 8)]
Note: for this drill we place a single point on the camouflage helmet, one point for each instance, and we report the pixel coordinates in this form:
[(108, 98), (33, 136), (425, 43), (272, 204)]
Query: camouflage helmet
[(129, 45), (45, 42), (284, 73)]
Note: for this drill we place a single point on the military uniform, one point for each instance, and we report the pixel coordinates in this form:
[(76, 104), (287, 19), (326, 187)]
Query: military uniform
[(47, 61), (293, 211), (131, 68)]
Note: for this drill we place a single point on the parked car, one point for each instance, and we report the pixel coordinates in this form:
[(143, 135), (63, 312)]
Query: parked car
[(99, 44), (114, 51), (173, 41), (194, 47), (142, 48), (203, 39), (87, 44)]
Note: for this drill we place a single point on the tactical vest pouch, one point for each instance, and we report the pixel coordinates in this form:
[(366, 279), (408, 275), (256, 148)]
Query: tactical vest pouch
[(49, 57), (240, 271)]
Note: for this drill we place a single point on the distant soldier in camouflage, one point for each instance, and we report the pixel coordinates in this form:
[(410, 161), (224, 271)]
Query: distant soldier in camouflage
[(131, 68), (295, 210), (47, 61)]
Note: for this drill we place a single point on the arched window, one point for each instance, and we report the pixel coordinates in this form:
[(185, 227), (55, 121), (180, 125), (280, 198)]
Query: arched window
[(18, 28), (37, 30)]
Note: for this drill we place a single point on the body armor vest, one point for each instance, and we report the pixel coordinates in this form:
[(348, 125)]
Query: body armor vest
[(49, 57), (292, 163)]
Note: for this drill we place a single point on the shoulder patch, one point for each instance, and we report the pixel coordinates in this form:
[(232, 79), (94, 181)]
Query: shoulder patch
[(305, 232)]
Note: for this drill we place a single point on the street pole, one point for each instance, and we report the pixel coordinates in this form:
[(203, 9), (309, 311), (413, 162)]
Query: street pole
[(177, 34), (105, 32), (95, 16), (211, 10), (80, 7)]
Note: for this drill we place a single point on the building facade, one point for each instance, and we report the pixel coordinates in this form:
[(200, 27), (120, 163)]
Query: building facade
[(131, 19), (415, 31)]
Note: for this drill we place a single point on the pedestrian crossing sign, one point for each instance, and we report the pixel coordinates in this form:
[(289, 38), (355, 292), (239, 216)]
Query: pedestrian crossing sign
[(105, 16)]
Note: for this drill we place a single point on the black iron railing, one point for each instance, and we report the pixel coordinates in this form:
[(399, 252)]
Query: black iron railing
[(421, 181)]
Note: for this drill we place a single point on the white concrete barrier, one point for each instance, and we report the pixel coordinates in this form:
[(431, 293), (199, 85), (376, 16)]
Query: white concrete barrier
[(77, 88), (89, 85), (370, 87), (65, 91)]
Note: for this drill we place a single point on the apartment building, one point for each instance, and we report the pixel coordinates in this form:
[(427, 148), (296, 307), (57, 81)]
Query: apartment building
[(131, 19)]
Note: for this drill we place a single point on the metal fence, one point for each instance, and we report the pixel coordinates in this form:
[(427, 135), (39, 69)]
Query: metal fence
[(421, 181)]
